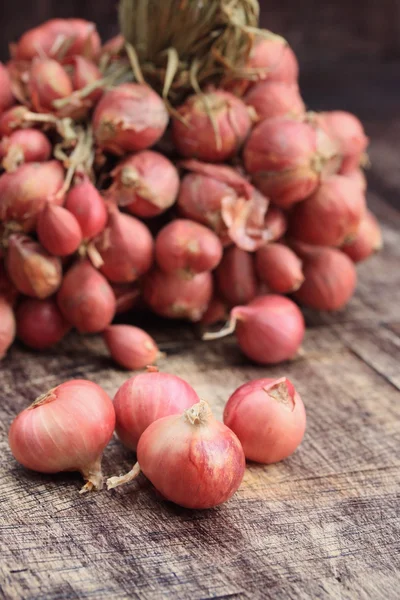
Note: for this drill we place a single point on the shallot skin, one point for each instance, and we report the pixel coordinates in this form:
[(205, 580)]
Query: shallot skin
[(6, 96), (348, 132), (128, 118), (7, 326), (275, 99), (236, 277), (196, 465), (72, 442), (48, 81), (367, 241), (88, 207), (40, 323), (269, 418), (24, 145), (279, 268), (147, 397), (131, 347), (58, 230)]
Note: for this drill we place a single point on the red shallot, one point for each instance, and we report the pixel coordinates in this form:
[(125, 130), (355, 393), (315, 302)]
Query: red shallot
[(88, 207), (187, 247), (130, 346), (279, 268), (7, 326), (368, 239), (128, 118), (48, 81), (40, 324), (86, 299), (66, 429), (6, 96), (269, 330), (24, 145), (192, 459), (58, 230), (147, 397), (172, 296), (269, 418), (212, 126), (275, 99), (236, 277)]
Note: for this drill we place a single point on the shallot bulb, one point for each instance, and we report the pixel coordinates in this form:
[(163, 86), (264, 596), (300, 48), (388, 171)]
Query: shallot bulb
[(218, 196), (66, 429), (6, 96), (48, 81), (58, 230), (24, 145), (279, 268), (147, 397), (275, 99), (269, 330), (332, 215), (269, 418), (168, 295), (211, 127), (12, 119), (40, 323), (187, 247), (236, 277), (130, 346), (347, 131), (128, 118), (66, 36), (25, 191), (285, 158), (33, 271), (7, 326), (125, 246), (192, 459), (275, 223), (86, 299), (84, 72), (330, 279), (368, 239), (88, 207), (146, 183)]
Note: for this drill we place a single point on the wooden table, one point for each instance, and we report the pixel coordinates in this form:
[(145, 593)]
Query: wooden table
[(323, 524)]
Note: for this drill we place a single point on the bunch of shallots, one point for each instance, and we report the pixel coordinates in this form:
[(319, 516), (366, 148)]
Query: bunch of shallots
[(210, 215)]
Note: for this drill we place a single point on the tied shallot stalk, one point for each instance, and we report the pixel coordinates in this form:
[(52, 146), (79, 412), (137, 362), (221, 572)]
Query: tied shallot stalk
[(33, 271), (286, 158), (192, 459), (25, 191), (128, 118), (211, 127), (186, 247), (6, 95), (275, 99), (66, 429), (7, 326), (332, 215), (269, 330), (172, 296), (58, 230), (330, 278), (236, 277), (269, 418), (131, 347), (367, 241), (125, 246), (24, 145), (48, 81), (147, 397), (146, 183), (279, 268), (271, 58), (86, 299), (218, 196), (40, 324), (59, 38), (348, 133)]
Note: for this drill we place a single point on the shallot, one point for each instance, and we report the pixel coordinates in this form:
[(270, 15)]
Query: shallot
[(86, 299), (88, 207), (40, 323), (48, 81), (217, 312), (128, 118), (66, 429), (7, 326), (33, 271), (236, 277), (146, 397), (275, 223), (192, 459), (172, 296), (211, 126), (146, 183), (269, 418), (24, 145), (58, 230), (275, 99), (6, 96), (269, 330), (279, 268), (130, 346), (367, 241), (188, 247)]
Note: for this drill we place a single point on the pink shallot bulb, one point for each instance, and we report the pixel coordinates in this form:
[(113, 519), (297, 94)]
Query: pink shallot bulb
[(66, 429), (192, 459), (279, 268), (88, 207), (24, 145), (147, 397), (7, 326), (6, 96), (48, 81), (367, 241), (40, 324), (58, 230), (131, 347), (236, 277), (269, 418), (275, 99)]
